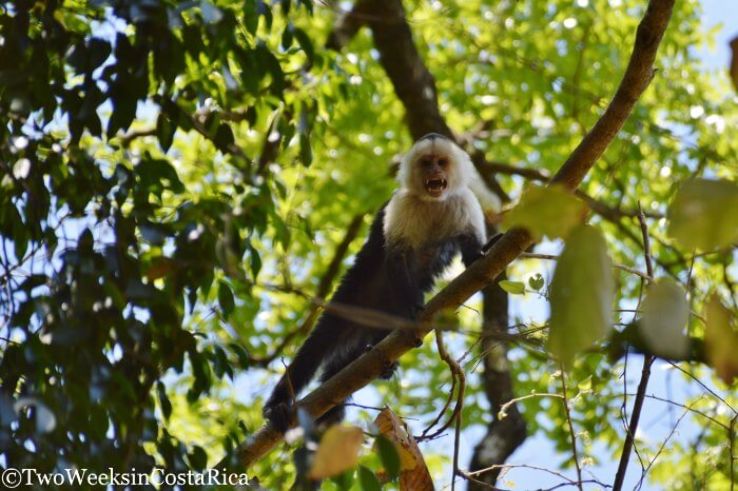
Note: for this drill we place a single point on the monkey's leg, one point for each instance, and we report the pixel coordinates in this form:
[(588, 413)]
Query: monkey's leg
[(335, 365), (319, 346), (332, 367)]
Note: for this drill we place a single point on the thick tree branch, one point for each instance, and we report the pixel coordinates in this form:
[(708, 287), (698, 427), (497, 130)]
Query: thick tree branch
[(348, 26), (369, 366), (608, 212), (413, 83)]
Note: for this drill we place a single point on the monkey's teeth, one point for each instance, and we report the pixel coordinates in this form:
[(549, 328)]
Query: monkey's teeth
[(436, 184)]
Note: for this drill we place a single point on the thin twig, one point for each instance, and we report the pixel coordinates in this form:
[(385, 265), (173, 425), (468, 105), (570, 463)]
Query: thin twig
[(731, 451), (554, 257), (458, 374), (572, 433), (503, 409), (643, 384)]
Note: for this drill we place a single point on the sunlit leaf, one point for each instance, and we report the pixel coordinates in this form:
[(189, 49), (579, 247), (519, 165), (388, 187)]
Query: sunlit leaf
[(582, 292), (663, 322), (338, 451), (551, 211), (721, 339), (704, 214), (513, 287)]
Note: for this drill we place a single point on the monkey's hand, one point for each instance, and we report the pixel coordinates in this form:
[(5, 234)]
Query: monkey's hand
[(279, 410), (492, 241), (389, 371)]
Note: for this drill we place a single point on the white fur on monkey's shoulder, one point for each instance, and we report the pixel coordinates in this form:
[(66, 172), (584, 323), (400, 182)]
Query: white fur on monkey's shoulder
[(414, 221), (491, 203)]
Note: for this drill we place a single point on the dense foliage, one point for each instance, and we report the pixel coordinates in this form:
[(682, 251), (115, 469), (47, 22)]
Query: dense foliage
[(180, 179)]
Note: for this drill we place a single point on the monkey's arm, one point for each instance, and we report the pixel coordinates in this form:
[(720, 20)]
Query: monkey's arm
[(471, 248)]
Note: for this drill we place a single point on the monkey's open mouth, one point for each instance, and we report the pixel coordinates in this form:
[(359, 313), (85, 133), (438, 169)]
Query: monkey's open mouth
[(436, 186)]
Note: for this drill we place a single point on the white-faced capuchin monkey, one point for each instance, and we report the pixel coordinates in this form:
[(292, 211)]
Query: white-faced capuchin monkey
[(429, 219)]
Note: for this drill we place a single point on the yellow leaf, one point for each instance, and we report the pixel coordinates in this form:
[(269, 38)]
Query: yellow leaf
[(551, 211), (704, 214), (414, 475), (338, 451), (721, 340)]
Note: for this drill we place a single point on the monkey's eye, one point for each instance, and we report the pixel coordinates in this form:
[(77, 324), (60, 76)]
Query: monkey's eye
[(426, 162), (443, 162)]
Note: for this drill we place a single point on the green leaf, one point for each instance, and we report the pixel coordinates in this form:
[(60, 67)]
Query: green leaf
[(704, 214), (165, 129), (164, 402), (198, 458), (241, 354), (581, 294), (551, 211), (345, 480), (254, 261), (224, 137), (124, 111), (665, 312), (225, 298), (251, 16), (368, 480), (536, 282), (304, 40), (389, 456), (98, 52), (513, 287), (306, 153), (287, 37), (721, 339)]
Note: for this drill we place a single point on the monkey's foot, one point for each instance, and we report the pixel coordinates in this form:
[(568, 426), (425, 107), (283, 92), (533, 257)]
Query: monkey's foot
[(333, 416)]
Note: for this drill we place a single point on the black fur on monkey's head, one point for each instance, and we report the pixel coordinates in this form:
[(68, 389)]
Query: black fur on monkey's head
[(432, 136)]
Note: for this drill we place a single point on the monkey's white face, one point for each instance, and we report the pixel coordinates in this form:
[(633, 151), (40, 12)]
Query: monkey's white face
[(434, 168)]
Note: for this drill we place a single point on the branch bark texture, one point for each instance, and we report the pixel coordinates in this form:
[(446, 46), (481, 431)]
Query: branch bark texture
[(369, 366)]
